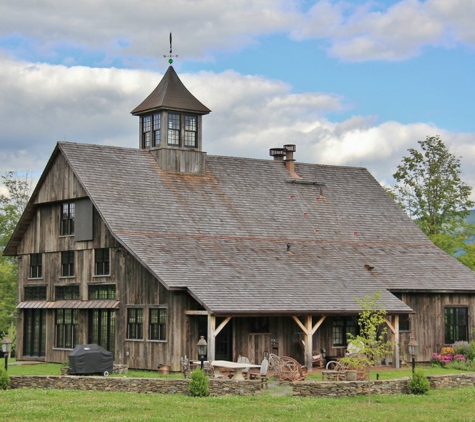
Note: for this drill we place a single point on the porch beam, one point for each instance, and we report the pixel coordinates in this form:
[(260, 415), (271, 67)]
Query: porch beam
[(299, 323), (318, 323), (221, 326), (191, 312)]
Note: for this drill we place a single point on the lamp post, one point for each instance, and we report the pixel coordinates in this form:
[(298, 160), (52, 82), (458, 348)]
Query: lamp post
[(6, 349), (413, 349), (202, 349)]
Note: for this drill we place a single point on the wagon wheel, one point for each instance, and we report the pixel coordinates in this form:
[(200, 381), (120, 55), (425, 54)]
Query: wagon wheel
[(333, 365), (288, 371)]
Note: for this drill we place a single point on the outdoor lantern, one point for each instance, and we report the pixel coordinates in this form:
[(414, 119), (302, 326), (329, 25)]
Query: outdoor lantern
[(6, 349), (413, 349), (202, 350)]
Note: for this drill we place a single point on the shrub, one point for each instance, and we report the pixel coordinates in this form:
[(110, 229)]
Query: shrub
[(464, 348), (419, 384), (198, 386), (4, 379)]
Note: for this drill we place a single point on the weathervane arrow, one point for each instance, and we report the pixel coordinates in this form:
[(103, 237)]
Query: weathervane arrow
[(170, 60)]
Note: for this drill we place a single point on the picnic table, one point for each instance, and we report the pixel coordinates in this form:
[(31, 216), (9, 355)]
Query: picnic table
[(237, 366)]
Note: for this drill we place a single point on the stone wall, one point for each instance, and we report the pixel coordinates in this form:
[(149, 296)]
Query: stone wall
[(451, 381), (134, 385)]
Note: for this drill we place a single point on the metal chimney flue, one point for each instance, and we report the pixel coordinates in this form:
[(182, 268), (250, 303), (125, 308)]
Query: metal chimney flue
[(289, 157)]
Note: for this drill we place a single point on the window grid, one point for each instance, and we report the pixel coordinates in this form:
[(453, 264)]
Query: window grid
[(135, 323), (36, 265), (67, 218), (190, 131), (341, 328), (173, 129), (157, 125), (67, 264), (70, 292), (102, 328), (102, 261), (158, 323), (102, 291), (67, 328), (34, 293), (456, 324), (146, 131)]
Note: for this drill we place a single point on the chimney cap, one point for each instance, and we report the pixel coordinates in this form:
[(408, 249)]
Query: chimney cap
[(276, 152), (290, 147)]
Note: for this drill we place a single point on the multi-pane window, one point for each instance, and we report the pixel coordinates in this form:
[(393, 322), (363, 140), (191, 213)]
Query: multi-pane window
[(67, 218), (173, 129), (34, 332), (456, 324), (35, 292), (101, 261), (67, 328), (146, 120), (158, 324), (101, 328), (404, 322), (36, 265), (67, 264), (70, 292), (101, 291), (135, 323), (190, 131), (342, 326), (157, 125)]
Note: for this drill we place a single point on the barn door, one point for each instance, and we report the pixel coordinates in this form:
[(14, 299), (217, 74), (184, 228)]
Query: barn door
[(258, 344)]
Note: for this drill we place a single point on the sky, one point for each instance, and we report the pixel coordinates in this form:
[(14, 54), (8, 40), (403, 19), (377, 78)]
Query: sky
[(353, 82)]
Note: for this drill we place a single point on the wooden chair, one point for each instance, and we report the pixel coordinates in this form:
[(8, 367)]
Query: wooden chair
[(243, 359), (262, 374), (291, 370), (318, 358)]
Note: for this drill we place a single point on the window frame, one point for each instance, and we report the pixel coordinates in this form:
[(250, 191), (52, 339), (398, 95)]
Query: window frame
[(102, 262), (157, 330), (135, 324), (156, 129), (67, 292), (452, 329), (35, 293), (67, 264), (36, 265), (66, 328), (102, 292), (340, 332), (68, 213), (174, 129), (191, 130)]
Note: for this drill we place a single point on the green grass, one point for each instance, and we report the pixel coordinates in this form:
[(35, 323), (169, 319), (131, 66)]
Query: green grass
[(69, 405)]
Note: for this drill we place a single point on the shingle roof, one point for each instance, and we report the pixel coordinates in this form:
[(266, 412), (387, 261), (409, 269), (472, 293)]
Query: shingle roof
[(171, 94), (223, 236)]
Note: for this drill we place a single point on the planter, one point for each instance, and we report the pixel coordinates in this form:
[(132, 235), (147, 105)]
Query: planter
[(164, 369), (351, 375)]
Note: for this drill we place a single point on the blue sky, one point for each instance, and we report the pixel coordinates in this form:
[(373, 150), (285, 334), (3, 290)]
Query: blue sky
[(351, 83)]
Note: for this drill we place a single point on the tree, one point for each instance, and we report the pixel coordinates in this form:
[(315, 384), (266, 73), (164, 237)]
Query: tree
[(371, 344), (12, 205), (429, 187)]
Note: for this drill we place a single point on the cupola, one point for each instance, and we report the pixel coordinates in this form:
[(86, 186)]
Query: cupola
[(170, 126)]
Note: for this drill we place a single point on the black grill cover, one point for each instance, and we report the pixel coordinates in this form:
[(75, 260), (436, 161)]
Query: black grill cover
[(90, 359)]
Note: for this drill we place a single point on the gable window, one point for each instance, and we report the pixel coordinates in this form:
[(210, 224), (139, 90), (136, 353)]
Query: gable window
[(67, 218), (146, 131), (158, 323), (36, 265), (35, 293), (70, 292), (174, 129), (135, 323), (191, 131), (456, 324), (67, 328), (101, 291), (342, 326), (157, 126), (67, 264), (101, 260)]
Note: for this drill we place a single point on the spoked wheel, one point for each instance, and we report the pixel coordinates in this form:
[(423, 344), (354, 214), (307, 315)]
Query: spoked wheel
[(332, 365)]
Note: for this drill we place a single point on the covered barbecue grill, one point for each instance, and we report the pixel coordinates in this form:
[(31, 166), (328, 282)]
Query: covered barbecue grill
[(90, 359)]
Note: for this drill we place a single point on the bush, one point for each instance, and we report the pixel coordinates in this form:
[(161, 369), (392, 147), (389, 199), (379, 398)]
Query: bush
[(198, 386), (4, 379), (419, 384)]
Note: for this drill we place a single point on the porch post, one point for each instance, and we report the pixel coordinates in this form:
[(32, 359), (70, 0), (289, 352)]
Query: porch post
[(308, 342), (396, 341), (211, 337)]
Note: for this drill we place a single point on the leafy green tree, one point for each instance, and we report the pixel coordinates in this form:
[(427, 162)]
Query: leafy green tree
[(12, 205), (429, 187)]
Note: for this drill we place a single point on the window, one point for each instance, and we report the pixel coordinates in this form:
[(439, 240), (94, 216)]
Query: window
[(135, 323), (157, 125), (456, 324), (101, 328), (146, 131), (340, 329), (102, 259), (35, 293), (67, 219), (404, 322), (70, 292), (34, 332), (101, 291), (158, 324), (36, 265), (173, 129), (190, 131), (67, 328), (67, 264)]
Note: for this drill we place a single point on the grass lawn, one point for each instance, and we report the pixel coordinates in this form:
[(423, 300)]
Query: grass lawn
[(67, 405)]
